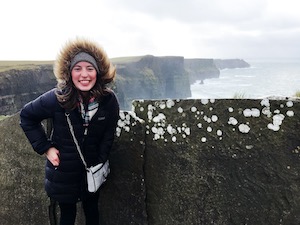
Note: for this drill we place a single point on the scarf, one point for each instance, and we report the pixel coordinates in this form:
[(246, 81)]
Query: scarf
[(88, 112)]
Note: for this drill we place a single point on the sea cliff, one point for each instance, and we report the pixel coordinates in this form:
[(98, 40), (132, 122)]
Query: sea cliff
[(142, 77)]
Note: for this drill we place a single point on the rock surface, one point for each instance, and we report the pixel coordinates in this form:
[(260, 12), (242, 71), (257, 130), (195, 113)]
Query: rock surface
[(227, 161)]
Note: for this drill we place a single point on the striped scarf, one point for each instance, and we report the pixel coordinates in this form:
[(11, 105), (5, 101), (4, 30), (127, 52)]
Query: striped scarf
[(88, 112)]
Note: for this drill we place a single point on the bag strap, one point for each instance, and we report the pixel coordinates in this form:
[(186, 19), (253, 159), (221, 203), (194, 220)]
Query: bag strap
[(75, 140)]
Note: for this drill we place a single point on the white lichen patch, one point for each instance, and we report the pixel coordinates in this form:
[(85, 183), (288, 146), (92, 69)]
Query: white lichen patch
[(265, 102), (289, 104), (266, 111), (171, 130), (244, 128), (162, 105), (276, 111), (290, 113), (204, 101), (126, 121), (277, 121), (254, 112), (203, 139), (158, 133), (249, 147), (219, 133), (180, 110), (230, 109), (273, 127), (207, 119), (151, 108), (170, 103), (214, 118), (187, 131), (232, 121), (118, 131), (193, 109), (160, 118)]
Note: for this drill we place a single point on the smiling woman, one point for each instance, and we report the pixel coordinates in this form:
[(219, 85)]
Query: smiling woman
[(81, 100)]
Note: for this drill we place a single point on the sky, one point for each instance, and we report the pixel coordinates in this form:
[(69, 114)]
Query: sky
[(37, 29)]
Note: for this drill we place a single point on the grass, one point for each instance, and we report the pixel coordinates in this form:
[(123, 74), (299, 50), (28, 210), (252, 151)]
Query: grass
[(126, 59), (2, 117), (297, 94), (239, 95), (21, 65)]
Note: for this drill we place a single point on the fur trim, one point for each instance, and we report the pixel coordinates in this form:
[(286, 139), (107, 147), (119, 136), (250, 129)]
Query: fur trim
[(71, 49)]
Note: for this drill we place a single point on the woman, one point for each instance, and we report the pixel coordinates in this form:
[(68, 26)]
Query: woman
[(82, 70)]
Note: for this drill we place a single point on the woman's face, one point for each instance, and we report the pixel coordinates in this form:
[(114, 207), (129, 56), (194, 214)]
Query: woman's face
[(84, 76)]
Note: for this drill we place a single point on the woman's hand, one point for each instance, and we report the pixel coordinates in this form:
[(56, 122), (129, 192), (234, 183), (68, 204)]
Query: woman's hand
[(53, 156)]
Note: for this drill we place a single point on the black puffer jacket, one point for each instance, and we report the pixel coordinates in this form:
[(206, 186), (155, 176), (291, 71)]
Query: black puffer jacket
[(67, 182)]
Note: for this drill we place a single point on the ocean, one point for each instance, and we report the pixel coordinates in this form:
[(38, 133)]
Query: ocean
[(265, 77)]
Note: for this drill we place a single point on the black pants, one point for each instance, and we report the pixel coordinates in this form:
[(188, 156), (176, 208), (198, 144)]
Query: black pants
[(90, 208)]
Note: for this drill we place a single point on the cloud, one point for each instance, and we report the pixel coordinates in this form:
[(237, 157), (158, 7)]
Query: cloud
[(195, 11), (192, 28)]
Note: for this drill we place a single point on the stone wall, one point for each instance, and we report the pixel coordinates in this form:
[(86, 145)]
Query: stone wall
[(223, 161)]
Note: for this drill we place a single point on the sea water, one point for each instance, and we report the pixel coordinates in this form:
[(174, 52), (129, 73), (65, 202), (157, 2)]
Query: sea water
[(264, 77)]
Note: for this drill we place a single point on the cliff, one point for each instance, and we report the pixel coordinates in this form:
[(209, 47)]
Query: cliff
[(201, 69), (174, 162), (231, 63), (18, 86), (151, 77), (142, 77)]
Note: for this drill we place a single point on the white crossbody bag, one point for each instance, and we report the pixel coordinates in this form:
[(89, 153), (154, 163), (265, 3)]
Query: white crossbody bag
[(96, 175)]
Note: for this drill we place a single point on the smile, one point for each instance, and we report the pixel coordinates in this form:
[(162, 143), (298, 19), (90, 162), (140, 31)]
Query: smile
[(84, 81)]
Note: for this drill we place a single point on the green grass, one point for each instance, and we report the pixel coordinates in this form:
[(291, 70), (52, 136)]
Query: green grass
[(2, 117), (21, 65), (239, 95), (126, 59), (297, 94)]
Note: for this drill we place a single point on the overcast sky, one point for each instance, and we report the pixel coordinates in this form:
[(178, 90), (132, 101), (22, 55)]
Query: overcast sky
[(36, 29)]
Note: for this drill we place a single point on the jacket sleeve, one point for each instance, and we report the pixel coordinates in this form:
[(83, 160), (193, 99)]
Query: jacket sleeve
[(109, 134), (31, 117)]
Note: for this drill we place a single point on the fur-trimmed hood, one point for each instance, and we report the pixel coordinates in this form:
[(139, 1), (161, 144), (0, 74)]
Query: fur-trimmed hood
[(73, 47)]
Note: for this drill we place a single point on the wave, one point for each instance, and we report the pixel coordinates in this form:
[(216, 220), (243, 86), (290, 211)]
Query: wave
[(244, 76)]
